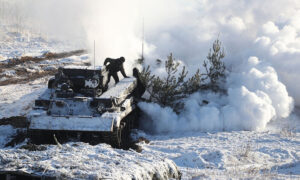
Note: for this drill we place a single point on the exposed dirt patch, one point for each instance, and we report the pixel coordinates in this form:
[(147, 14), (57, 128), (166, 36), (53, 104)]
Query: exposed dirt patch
[(134, 144), (33, 147), (130, 144), (61, 137), (47, 56), (26, 77), (24, 69), (20, 175), (143, 139), (18, 138), (15, 121)]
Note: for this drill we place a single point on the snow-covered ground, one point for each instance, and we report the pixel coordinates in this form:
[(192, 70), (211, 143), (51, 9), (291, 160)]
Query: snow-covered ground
[(17, 99), (16, 44), (272, 154), (6, 132), (83, 161), (73, 160)]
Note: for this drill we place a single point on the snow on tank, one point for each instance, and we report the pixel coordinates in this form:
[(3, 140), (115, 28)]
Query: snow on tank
[(78, 105)]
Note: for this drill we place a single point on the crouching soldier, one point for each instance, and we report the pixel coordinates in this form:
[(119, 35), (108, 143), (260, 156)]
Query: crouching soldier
[(114, 66), (140, 89)]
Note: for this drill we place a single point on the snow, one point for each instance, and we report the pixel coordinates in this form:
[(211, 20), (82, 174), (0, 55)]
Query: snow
[(225, 155), (17, 44), (74, 60), (80, 120), (83, 161), (83, 67), (121, 89), (18, 99), (71, 123), (9, 73), (6, 131), (272, 154)]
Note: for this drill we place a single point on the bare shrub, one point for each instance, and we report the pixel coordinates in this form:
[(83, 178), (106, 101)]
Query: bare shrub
[(288, 132)]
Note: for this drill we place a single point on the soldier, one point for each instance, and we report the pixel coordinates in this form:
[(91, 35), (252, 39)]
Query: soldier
[(114, 66), (140, 89)]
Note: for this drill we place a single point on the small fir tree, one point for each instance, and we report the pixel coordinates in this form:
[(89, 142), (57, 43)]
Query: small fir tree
[(215, 67), (170, 90)]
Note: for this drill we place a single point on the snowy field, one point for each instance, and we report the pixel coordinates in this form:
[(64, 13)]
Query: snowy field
[(270, 154), (252, 132), (273, 153), (16, 44), (83, 161), (73, 160), (17, 99), (224, 155)]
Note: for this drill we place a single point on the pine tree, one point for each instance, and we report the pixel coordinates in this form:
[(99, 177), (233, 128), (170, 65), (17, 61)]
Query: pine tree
[(215, 68), (168, 91)]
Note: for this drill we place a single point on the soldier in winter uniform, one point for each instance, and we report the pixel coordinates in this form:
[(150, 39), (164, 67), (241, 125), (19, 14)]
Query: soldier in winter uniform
[(140, 90), (114, 66)]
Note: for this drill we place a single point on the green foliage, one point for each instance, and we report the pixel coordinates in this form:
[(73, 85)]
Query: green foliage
[(168, 91), (146, 77), (193, 84), (215, 68), (171, 89)]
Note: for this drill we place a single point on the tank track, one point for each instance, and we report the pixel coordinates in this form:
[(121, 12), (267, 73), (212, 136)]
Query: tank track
[(118, 138)]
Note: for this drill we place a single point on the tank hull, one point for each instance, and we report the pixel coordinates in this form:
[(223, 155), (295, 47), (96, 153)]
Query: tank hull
[(118, 137), (64, 111)]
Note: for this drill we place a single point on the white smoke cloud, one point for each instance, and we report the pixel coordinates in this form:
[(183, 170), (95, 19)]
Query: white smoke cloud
[(255, 97), (269, 30), (113, 26)]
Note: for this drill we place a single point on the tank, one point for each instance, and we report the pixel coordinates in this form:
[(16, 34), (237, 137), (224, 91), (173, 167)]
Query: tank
[(78, 106)]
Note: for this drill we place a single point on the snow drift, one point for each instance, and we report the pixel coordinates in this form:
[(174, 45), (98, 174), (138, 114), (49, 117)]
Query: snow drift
[(83, 161)]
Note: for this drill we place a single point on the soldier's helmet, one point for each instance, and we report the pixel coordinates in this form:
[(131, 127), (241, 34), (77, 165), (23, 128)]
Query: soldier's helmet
[(122, 59), (135, 72)]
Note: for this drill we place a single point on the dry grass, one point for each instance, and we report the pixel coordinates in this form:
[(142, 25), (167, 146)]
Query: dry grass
[(26, 77), (288, 132), (246, 150)]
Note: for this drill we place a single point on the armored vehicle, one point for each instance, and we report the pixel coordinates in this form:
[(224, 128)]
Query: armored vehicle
[(78, 106)]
